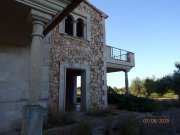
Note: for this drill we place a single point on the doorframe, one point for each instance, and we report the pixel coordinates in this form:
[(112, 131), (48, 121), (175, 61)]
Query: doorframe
[(62, 83)]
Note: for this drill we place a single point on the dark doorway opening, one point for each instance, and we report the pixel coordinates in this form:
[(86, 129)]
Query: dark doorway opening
[(75, 97)]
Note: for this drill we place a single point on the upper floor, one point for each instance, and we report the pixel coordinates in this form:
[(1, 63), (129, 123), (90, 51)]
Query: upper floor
[(86, 27), (86, 24), (118, 59)]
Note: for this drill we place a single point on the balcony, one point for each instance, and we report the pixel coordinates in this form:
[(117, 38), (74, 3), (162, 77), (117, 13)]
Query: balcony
[(118, 59)]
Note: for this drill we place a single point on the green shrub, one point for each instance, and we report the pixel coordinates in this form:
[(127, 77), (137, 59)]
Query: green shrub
[(130, 127), (59, 119), (134, 103), (155, 95), (78, 99), (140, 104), (170, 94), (44, 133), (176, 104), (83, 129), (107, 130), (113, 96)]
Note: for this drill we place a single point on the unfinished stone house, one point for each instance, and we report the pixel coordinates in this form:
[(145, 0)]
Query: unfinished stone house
[(38, 70), (78, 48)]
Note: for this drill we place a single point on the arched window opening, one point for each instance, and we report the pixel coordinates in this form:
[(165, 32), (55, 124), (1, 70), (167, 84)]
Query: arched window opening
[(80, 28), (69, 25)]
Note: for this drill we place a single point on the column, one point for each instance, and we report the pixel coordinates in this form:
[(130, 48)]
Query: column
[(84, 30), (32, 116), (126, 83), (75, 90), (74, 27), (83, 91), (35, 67), (33, 112)]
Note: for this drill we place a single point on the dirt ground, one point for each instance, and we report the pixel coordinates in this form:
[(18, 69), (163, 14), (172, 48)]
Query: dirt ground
[(123, 122)]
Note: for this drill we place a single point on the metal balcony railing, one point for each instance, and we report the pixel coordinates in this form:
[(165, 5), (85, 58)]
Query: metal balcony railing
[(116, 57), (119, 54)]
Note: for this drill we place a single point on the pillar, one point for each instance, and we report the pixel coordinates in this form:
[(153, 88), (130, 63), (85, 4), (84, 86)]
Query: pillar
[(35, 67), (75, 90), (83, 91), (74, 28), (32, 118), (126, 83), (84, 30)]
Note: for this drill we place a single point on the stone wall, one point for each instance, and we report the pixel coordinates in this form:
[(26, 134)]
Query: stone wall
[(74, 50)]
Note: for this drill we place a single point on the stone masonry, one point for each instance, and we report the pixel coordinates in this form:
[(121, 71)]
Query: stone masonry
[(76, 50)]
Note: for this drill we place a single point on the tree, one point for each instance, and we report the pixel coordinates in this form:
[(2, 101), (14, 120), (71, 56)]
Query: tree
[(150, 85), (177, 65), (119, 90), (137, 87), (160, 86), (176, 79), (164, 84)]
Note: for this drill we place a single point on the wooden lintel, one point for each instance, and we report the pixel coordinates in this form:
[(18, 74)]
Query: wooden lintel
[(61, 15)]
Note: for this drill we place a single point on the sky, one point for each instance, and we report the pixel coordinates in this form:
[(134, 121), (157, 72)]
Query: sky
[(150, 29)]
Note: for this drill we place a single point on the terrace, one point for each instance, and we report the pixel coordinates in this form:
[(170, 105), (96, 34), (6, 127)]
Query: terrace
[(118, 59)]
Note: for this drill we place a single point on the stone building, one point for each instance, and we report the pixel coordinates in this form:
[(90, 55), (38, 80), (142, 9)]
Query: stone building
[(45, 72)]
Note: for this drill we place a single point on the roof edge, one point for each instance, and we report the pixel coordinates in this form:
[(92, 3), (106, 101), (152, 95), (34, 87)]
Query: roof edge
[(100, 11)]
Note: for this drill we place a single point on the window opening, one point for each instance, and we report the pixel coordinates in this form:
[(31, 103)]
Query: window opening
[(69, 25), (80, 28)]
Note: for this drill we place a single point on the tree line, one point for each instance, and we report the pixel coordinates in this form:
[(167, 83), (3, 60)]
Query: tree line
[(148, 86), (168, 85)]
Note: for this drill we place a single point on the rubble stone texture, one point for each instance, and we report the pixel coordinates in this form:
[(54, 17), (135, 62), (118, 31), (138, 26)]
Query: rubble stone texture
[(74, 50)]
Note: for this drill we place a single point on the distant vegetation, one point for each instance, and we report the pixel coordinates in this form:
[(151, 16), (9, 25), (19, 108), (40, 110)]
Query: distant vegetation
[(134, 103), (78, 94), (165, 87), (144, 94)]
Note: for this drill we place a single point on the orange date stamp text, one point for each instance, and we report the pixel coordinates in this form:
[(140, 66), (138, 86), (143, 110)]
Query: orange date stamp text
[(156, 120)]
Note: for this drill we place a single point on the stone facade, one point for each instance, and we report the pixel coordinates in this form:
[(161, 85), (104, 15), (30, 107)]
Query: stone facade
[(73, 50), (36, 72), (20, 53)]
